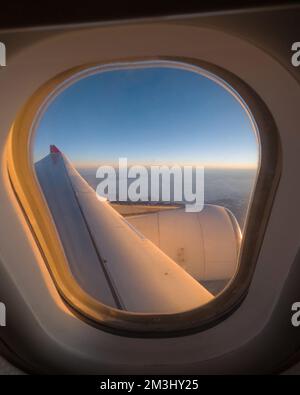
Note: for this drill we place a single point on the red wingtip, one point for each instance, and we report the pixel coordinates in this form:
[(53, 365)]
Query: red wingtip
[(54, 149)]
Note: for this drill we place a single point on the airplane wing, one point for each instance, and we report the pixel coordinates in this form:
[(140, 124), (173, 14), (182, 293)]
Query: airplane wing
[(108, 256)]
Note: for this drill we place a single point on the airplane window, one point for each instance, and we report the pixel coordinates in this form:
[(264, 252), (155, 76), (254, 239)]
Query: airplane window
[(148, 170)]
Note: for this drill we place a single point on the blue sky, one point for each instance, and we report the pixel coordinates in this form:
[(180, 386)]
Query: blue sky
[(151, 115)]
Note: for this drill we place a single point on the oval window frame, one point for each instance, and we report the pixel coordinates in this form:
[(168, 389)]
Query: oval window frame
[(38, 216)]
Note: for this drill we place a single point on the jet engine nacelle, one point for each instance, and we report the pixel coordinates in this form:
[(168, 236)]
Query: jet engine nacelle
[(205, 243)]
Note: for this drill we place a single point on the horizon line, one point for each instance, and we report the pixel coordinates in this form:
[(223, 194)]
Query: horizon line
[(80, 165)]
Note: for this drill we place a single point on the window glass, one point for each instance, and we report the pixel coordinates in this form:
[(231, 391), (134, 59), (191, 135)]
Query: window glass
[(148, 172)]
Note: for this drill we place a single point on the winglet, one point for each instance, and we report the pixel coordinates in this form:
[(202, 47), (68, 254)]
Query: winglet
[(54, 149)]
